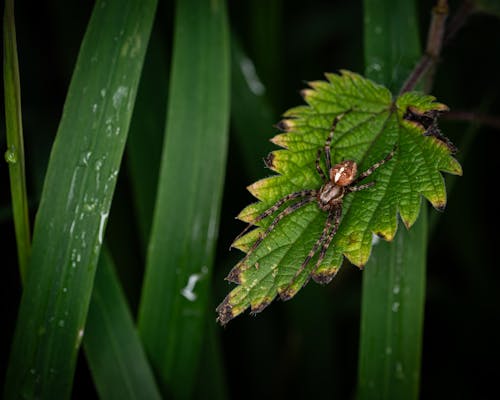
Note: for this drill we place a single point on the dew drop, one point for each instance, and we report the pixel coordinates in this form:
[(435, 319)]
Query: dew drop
[(119, 96), (86, 157), (104, 217), (11, 155)]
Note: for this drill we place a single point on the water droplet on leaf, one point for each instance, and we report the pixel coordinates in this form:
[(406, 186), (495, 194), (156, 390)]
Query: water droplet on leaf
[(11, 155)]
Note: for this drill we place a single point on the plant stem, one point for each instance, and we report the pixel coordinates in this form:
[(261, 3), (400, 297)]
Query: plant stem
[(433, 49), (15, 152), (435, 41), (472, 116)]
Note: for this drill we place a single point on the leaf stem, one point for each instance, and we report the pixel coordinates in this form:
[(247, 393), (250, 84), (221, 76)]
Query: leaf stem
[(436, 39), (472, 116), (15, 145)]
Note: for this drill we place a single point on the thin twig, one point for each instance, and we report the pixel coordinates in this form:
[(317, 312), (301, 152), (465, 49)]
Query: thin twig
[(433, 48), (436, 39), (471, 116)]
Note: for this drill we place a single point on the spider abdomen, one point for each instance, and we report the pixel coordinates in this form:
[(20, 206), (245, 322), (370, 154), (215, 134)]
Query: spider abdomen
[(329, 196)]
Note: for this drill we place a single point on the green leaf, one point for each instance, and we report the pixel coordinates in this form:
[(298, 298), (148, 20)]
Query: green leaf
[(180, 256), (15, 142), (76, 200), (390, 351), (372, 124), (393, 293), (114, 352)]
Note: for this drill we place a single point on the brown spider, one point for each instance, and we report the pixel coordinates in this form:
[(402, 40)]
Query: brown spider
[(341, 181)]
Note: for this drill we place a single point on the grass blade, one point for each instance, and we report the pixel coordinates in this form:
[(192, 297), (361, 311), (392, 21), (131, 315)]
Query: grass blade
[(15, 143), (393, 310), (186, 216), (116, 358), (76, 198), (391, 41), (394, 279)]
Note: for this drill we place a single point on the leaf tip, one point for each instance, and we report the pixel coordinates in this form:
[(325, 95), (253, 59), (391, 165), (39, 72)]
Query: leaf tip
[(256, 188), (439, 205), (225, 312), (234, 275), (387, 236), (324, 277), (269, 161), (285, 125), (259, 307), (307, 93)]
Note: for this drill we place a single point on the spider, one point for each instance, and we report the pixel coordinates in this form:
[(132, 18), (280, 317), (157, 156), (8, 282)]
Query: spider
[(338, 182)]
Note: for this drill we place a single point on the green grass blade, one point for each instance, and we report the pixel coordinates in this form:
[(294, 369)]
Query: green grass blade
[(391, 41), (112, 346), (393, 308), (15, 143), (76, 199), (394, 278), (186, 218)]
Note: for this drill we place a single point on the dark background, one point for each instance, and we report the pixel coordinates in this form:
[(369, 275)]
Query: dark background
[(310, 344)]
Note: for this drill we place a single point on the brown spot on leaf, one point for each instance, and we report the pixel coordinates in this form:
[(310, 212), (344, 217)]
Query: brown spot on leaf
[(284, 125), (422, 118), (225, 312), (382, 235), (428, 121), (324, 277), (287, 293), (439, 206), (268, 160), (259, 308), (234, 276)]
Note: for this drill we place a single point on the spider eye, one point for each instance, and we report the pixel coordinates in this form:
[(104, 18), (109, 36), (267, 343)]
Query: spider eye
[(342, 174)]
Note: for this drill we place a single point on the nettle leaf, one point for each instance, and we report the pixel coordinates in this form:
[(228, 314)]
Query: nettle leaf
[(372, 124)]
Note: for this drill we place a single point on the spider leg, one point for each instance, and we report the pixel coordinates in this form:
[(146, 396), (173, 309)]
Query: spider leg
[(326, 244), (360, 187), (274, 208), (287, 211), (318, 167), (329, 141), (375, 166), (315, 248)]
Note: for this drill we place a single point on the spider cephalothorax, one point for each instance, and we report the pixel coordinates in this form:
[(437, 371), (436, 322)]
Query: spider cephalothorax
[(340, 180), (332, 192)]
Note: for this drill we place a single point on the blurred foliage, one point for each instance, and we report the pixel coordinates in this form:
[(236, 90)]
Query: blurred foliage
[(314, 338)]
